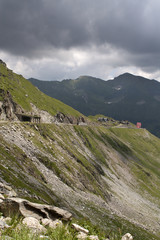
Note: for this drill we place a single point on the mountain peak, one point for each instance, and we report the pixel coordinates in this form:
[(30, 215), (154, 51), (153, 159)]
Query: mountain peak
[(126, 74)]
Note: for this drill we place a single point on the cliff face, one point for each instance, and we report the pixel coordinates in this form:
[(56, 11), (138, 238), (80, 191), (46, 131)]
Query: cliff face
[(8, 108), (108, 175)]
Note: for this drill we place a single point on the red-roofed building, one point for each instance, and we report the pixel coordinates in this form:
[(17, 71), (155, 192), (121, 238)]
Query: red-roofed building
[(139, 125)]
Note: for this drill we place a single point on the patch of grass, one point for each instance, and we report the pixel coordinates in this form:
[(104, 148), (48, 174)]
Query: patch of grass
[(90, 142), (49, 164)]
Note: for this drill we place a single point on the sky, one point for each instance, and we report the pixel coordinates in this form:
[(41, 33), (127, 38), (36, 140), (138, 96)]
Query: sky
[(62, 39)]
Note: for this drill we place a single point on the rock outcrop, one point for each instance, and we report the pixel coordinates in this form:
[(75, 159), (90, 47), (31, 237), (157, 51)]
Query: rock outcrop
[(7, 191), (17, 206), (62, 118), (8, 108)]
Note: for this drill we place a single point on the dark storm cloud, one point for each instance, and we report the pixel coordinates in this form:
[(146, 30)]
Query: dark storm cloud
[(33, 28), (35, 24)]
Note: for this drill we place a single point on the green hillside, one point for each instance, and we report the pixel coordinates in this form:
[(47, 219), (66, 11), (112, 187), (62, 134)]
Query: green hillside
[(24, 93)]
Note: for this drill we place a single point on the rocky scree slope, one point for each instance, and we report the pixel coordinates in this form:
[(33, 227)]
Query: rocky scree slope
[(107, 175)]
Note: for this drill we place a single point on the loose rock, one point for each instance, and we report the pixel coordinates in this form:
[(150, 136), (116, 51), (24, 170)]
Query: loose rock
[(92, 237), (127, 236), (79, 228), (82, 235), (51, 224), (34, 224), (1, 196), (3, 224)]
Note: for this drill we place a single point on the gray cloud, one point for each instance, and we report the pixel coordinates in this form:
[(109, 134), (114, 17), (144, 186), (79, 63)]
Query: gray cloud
[(38, 29)]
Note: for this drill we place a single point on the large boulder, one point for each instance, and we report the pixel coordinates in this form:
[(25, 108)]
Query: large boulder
[(34, 224), (17, 206)]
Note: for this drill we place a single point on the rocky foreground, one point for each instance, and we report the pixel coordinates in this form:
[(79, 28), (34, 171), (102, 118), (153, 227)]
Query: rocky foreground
[(37, 218), (107, 175)]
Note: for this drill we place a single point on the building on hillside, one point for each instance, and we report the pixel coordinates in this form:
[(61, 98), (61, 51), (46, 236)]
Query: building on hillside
[(139, 125)]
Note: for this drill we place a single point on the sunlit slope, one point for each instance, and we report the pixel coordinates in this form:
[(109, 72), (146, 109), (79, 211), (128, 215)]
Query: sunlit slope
[(24, 93)]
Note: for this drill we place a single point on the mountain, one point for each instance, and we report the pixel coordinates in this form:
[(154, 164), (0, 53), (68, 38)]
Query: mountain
[(127, 97), (107, 173), (20, 97)]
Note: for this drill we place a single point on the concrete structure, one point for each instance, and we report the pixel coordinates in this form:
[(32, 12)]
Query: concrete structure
[(29, 118)]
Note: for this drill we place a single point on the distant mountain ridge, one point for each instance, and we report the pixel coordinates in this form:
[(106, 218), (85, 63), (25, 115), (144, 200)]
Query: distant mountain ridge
[(127, 97)]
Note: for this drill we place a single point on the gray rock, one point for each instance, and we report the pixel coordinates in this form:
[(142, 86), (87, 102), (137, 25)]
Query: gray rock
[(44, 237), (3, 224), (51, 224), (34, 224), (82, 236), (1, 196), (7, 190), (17, 206), (79, 228), (93, 237), (127, 236)]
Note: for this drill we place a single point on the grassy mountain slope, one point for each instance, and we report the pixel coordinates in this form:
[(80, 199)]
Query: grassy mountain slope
[(24, 93), (127, 97)]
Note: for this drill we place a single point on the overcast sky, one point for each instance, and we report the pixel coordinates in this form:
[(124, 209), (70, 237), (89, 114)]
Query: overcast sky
[(59, 39)]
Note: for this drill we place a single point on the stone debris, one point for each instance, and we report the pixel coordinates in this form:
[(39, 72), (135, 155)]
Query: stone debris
[(52, 224), (38, 216), (34, 224), (79, 228), (7, 191), (2, 197), (93, 237), (127, 236), (3, 224), (82, 236), (44, 237)]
